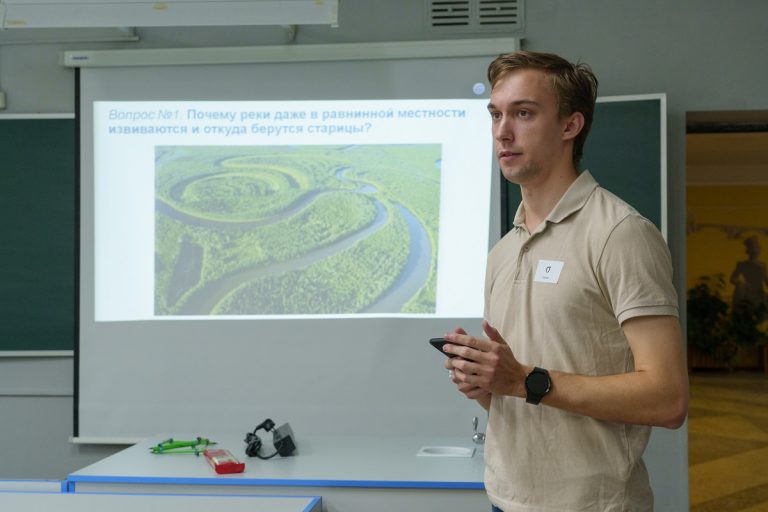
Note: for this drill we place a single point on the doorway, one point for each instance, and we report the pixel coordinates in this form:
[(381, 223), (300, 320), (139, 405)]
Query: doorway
[(727, 244)]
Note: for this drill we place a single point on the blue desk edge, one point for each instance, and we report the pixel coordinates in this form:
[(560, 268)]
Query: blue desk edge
[(72, 481)]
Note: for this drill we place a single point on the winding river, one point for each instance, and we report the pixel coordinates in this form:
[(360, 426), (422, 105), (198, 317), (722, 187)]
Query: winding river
[(202, 301)]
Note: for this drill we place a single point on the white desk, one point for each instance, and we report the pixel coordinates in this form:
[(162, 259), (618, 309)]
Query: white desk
[(349, 473), (32, 485), (84, 502)]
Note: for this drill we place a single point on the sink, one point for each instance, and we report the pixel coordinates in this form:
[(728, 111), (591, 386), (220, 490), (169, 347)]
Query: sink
[(446, 451)]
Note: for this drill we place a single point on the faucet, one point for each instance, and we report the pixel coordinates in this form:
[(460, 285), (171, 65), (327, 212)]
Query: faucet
[(478, 437)]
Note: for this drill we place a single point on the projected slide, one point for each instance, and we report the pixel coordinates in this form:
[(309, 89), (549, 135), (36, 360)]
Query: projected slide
[(296, 229), (262, 209)]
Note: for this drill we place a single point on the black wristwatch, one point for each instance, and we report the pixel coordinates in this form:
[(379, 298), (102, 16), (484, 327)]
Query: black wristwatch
[(537, 385)]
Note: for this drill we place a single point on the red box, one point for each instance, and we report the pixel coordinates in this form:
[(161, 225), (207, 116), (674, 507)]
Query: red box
[(223, 462)]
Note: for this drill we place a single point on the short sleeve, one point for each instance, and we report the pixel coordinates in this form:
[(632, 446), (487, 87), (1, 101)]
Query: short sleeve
[(635, 271)]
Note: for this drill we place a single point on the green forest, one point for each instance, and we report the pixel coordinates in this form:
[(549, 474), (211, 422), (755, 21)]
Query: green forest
[(309, 229)]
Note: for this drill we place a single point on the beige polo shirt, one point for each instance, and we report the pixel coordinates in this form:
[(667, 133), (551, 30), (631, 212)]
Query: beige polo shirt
[(558, 296)]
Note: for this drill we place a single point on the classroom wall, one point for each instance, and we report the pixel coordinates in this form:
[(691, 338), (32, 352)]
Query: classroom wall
[(704, 54)]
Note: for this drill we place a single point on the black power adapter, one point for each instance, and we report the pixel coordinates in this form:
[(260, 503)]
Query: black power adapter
[(282, 440)]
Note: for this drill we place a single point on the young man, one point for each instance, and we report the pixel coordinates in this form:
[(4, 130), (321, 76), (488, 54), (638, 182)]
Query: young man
[(582, 351)]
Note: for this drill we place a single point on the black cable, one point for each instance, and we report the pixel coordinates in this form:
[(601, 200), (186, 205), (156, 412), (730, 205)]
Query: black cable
[(262, 457), (253, 444), (253, 441)]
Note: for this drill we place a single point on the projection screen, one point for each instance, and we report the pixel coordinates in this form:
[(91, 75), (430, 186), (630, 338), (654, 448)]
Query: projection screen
[(280, 237)]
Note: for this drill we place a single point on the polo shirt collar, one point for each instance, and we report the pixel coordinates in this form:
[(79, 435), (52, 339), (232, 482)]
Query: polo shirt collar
[(572, 201)]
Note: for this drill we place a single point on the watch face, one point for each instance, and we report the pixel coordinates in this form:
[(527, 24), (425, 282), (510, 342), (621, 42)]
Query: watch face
[(537, 382)]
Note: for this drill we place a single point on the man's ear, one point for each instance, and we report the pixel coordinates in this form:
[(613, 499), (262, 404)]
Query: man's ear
[(572, 125)]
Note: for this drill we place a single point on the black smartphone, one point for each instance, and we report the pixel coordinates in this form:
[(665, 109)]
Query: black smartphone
[(438, 343)]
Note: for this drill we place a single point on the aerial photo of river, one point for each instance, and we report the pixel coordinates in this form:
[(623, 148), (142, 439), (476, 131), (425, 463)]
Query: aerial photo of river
[(288, 230)]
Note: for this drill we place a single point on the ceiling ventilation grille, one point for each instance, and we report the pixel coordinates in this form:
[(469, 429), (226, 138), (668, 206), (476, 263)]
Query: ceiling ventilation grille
[(464, 16)]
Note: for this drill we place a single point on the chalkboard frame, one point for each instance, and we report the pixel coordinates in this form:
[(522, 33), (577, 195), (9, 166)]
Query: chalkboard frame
[(27, 333), (42, 334)]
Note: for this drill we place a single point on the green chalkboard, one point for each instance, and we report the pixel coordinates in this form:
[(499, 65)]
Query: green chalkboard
[(624, 153), (37, 228)]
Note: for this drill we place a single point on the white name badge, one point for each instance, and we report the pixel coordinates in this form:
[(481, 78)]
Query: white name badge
[(548, 271)]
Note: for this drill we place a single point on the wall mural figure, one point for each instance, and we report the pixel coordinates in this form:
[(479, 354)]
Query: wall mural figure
[(750, 278)]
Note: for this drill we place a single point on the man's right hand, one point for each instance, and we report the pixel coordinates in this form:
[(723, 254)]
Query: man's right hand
[(482, 396)]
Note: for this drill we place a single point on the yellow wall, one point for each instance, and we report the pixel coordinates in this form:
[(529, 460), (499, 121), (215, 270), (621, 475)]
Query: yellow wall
[(714, 213)]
